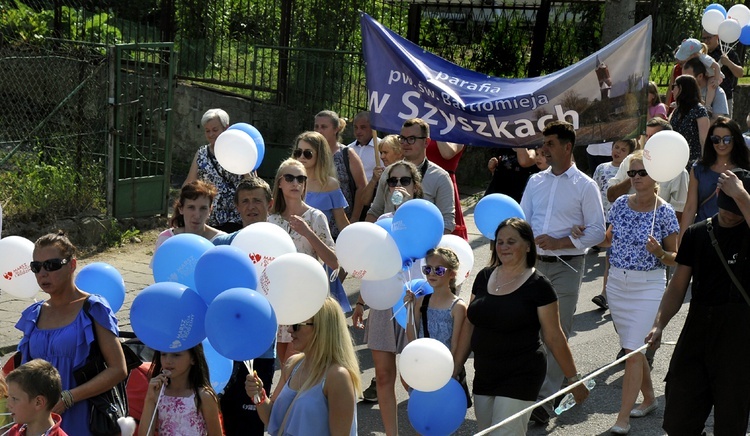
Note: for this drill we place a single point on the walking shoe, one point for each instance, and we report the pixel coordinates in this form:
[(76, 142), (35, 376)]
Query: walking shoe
[(371, 394), (601, 301), (539, 415)]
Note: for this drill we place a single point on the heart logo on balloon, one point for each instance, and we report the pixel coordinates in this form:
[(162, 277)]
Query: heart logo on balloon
[(360, 273), (8, 275), (255, 257)]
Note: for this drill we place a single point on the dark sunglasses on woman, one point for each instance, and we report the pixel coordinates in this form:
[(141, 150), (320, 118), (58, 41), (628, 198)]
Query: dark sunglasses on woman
[(633, 173), (296, 327), (308, 154), (438, 270), (725, 139), (290, 178), (394, 181), (49, 265)]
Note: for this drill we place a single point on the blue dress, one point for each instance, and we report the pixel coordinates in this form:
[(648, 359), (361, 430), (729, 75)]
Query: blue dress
[(707, 180), (440, 324), (66, 348), (326, 202)]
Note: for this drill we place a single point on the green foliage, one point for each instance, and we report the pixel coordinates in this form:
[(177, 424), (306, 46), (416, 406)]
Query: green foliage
[(44, 188), (22, 24), (117, 237), (85, 26)]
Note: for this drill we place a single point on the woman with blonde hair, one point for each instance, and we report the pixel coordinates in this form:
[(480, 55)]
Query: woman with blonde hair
[(318, 389), (323, 189), (307, 226)]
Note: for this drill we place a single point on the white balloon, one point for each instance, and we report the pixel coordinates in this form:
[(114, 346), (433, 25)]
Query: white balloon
[(236, 151), (741, 13), (382, 294), (729, 30), (263, 242), (426, 364), (17, 279), (665, 155), (366, 251), (711, 20), (296, 285), (463, 251)]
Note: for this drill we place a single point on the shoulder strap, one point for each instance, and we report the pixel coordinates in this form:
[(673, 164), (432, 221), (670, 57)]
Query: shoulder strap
[(345, 155), (423, 311), (715, 243)]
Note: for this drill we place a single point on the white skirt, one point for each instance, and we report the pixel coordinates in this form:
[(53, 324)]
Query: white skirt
[(634, 298)]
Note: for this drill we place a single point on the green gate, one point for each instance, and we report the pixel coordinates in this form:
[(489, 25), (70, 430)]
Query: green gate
[(140, 136)]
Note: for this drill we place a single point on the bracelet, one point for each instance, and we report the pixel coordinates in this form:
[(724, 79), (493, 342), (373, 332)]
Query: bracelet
[(361, 304), (263, 396), (663, 255), (67, 399)]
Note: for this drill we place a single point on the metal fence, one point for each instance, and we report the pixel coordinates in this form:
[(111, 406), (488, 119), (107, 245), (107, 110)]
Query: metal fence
[(53, 125)]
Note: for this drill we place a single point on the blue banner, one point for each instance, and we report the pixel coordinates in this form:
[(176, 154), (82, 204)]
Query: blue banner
[(603, 95)]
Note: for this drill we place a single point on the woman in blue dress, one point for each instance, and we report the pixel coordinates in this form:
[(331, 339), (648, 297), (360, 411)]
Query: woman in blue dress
[(59, 331), (323, 189)]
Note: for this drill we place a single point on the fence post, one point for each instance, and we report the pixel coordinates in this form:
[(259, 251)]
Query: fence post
[(111, 127), (284, 39), (539, 38), (413, 21)]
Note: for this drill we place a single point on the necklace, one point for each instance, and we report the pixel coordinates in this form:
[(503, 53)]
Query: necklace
[(501, 285)]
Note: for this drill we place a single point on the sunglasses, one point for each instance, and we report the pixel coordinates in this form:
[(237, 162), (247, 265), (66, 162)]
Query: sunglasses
[(290, 178), (295, 327), (308, 154), (395, 181), (49, 265), (409, 139), (633, 173), (717, 139), (438, 270)]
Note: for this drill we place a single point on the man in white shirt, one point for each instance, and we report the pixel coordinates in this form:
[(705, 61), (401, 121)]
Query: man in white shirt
[(564, 207), (673, 192), (436, 183), (363, 144)]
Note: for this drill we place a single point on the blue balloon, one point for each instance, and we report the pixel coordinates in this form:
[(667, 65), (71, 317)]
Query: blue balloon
[(219, 367), (386, 224), (440, 412), (103, 279), (241, 324), (169, 317), (745, 35), (260, 144), (417, 227), (718, 7), (420, 287), (175, 259), (221, 268), (492, 210)]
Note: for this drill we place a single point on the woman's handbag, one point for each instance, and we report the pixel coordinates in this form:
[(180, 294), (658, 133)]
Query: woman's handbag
[(107, 407)]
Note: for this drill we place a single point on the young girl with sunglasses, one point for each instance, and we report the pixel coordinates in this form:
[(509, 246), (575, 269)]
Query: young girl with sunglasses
[(307, 226), (59, 331), (384, 336), (189, 406), (323, 190)]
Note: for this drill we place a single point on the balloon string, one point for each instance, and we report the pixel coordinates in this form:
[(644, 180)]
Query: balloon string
[(653, 220), (249, 366), (156, 408)]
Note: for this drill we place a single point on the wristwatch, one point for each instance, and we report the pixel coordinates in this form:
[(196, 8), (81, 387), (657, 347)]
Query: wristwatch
[(575, 378), (663, 255)]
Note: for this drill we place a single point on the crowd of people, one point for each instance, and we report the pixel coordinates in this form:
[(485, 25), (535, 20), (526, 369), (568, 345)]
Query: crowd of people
[(659, 237)]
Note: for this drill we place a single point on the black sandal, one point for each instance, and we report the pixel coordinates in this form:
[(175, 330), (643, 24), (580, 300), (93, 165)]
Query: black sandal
[(601, 301)]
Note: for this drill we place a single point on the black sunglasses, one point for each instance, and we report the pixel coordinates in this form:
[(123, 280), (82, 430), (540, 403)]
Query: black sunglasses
[(717, 139), (410, 139), (295, 327), (300, 152), (633, 173), (290, 178), (438, 270), (394, 181), (49, 265)]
